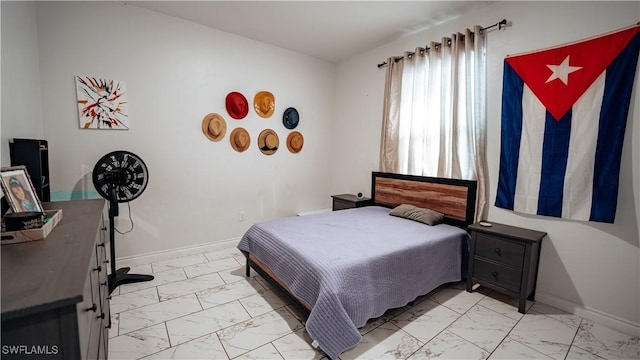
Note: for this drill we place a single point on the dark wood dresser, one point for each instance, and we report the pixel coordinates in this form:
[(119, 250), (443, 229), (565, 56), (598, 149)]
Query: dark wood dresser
[(505, 259), (55, 297)]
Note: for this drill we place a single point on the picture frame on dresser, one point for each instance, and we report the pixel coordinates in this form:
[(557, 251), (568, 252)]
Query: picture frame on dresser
[(18, 190)]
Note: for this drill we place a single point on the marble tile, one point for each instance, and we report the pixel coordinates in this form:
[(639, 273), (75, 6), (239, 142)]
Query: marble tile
[(569, 320), (510, 349), (178, 262), (164, 277), (425, 320), (264, 282), (204, 322), (115, 324), (483, 327), (205, 347), (142, 317), (265, 352), (263, 302), (210, 267), (141, 269), (223, 254), (504, 304), (235, 274), (183, 287), (387, 316), (137, 344), (385, 342), (134, 299), (458, 300), (449, 346), (229, 292), (255, 332), (551, 336), (575, 353), (297, 345), (605, 342)]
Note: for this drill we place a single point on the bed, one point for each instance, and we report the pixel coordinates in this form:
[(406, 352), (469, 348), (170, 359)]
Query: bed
[(345, 267)]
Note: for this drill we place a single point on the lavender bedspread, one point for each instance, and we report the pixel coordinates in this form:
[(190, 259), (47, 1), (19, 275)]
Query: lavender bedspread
[(353, 265)]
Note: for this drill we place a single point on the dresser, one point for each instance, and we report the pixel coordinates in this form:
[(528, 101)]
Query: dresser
[(348, 201), (505, 258), (54, 292)]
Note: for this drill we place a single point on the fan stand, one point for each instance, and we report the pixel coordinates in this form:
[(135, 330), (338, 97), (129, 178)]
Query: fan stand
[(120, 276)]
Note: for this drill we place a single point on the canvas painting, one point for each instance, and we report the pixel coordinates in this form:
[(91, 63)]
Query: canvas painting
[(102, 103)]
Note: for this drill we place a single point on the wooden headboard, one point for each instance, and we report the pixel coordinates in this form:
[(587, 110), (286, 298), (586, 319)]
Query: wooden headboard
[(456, 199)]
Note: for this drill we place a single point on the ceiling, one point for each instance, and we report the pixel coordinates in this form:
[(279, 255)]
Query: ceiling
[(328, 30)]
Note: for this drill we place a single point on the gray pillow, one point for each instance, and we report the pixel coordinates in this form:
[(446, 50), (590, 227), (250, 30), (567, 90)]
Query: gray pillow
[(415, 213)]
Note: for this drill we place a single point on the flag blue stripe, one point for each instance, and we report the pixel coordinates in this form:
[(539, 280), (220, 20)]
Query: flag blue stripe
[(613, 118), (512, 89), (555, 152)]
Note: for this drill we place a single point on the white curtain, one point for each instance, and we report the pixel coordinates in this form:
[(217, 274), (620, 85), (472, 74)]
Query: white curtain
[(434, 119)]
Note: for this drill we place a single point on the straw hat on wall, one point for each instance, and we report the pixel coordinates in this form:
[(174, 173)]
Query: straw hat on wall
[(240, 139), (268, 142), (214, 127), (295, 141)]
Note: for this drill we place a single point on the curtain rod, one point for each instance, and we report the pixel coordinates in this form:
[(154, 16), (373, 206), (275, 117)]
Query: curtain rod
[(500, 24)]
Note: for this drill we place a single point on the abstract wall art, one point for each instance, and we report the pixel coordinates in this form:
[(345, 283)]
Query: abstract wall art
[(102, 103)]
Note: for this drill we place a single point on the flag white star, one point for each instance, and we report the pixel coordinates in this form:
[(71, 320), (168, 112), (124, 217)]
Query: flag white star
[(562, 71)]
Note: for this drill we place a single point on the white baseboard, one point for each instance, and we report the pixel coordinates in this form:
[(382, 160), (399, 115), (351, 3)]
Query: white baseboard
[(173, 253), (594, 315)]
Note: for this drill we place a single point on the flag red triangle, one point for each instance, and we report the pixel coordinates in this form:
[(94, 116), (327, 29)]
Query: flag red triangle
[(578, 64)]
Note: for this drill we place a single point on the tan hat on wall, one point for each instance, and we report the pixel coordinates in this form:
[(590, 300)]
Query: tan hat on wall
[(264, 103), (214, 127), (295, 141), (268, 142), (240, 139)]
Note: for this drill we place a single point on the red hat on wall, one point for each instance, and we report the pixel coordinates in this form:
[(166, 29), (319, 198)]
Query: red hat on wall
[(237, 105)]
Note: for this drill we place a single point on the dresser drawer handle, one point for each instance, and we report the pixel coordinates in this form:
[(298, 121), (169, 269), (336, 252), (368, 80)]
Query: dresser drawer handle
[(101, 244), (494, 274), (101, 316), (98, 269), (93, 308), (498, 252)]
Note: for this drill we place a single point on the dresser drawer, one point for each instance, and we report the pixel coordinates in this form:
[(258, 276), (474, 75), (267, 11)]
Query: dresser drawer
[(500, 250), (502, 276)]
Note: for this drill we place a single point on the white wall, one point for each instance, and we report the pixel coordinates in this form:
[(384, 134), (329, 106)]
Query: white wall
[(177, 72), (21, 114), (592, 269)]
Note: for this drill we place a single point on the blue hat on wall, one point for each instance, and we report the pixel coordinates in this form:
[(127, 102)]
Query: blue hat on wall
[(290, 118)]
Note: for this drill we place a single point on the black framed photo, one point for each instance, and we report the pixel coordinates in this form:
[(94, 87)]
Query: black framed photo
[(18, 190)]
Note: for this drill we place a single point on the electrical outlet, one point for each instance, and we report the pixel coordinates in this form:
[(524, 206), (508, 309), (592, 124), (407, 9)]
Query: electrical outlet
[(242, 217)]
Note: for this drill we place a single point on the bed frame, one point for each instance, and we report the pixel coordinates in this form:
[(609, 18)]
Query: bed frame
[(456, 199)]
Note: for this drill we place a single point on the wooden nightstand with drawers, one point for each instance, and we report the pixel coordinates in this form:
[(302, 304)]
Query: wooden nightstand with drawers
[(348, 201), (505, 259)]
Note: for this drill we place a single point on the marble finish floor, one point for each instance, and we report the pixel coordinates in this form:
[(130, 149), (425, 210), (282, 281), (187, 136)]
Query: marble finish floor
[(203, 307)]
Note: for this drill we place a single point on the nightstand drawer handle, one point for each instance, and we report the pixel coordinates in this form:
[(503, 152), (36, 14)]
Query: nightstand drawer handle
[(498, 252), (494, 274)]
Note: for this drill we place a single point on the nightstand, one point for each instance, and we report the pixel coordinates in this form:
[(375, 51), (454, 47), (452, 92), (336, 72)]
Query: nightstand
[(505, 259), (348, 201)]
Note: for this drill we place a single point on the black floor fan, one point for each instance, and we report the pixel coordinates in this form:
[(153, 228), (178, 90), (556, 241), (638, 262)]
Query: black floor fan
[(120, 176)]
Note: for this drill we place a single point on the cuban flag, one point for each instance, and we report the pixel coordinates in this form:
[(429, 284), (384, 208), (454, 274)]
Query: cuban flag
[(564, 113)]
